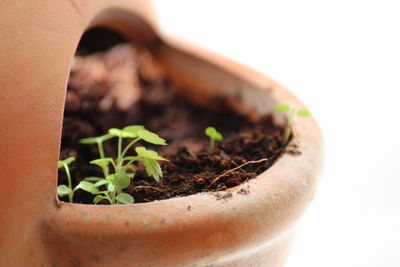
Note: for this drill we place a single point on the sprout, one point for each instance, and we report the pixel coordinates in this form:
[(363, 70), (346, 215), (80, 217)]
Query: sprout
[(67, 190), (293, 113), (214, 135), (120, 178)]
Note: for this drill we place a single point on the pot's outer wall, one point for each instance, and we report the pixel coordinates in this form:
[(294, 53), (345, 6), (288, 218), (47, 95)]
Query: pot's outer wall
[(37, 45), (38, 40)]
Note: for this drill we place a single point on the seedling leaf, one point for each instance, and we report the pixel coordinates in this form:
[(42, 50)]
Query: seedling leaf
[(151, 138), (93, 179), (102, 163), (63, 190), (303, 113), (133, 129), (111, 187), (213, 134), (111, 177), (123, 180), (87, 186), (96, 140), (121, 133), (153, 169), (124, 198), (144, 153), (102, 182), (282, 108), (67, 161)]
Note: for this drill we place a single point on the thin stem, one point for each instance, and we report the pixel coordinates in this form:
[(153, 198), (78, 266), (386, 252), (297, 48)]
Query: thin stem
[(101, 150), (102, 156), (119, 148), (289, 126), (117, 170), (118, 166), (114, 192), (114, 165), (129, 146), (71, 193), (131, 161), (212, 143)]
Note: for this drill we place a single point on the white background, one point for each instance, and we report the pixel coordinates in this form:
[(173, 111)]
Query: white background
[(342, 58)]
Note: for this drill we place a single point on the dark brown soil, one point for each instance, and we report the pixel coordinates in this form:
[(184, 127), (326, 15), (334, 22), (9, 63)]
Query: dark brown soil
[(125, 86)]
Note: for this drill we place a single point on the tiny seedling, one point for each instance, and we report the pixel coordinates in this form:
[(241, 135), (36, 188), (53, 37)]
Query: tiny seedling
[(214, 135), (120, 178), (293, 113), (67, 190)]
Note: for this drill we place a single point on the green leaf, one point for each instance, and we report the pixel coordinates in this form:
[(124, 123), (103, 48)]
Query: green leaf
[(303, 113), (124, 198), (63, 190), (133, 129), (115, 132), (143, 153), (97, 199), (87, 186), (87, 141), (151, 138), (96, 140), (93, 179), (213, 134), (111, 186), (111, 177), (123, 180), (67, 161), (282, 108), (121, 133), (102, 163), (102, 182), (153, 169)]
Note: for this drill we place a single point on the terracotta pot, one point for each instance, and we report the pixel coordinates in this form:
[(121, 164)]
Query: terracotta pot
[(38, 42)]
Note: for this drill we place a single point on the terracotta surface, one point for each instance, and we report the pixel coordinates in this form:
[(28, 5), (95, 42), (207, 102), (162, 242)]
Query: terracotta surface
[(38, 42)]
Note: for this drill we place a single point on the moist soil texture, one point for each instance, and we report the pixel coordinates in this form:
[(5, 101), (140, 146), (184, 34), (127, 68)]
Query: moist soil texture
[(124, 86)]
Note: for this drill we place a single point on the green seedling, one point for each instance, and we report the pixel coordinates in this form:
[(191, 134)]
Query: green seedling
[(293, 113), (121, 175), (67, 190), (214, 135)]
